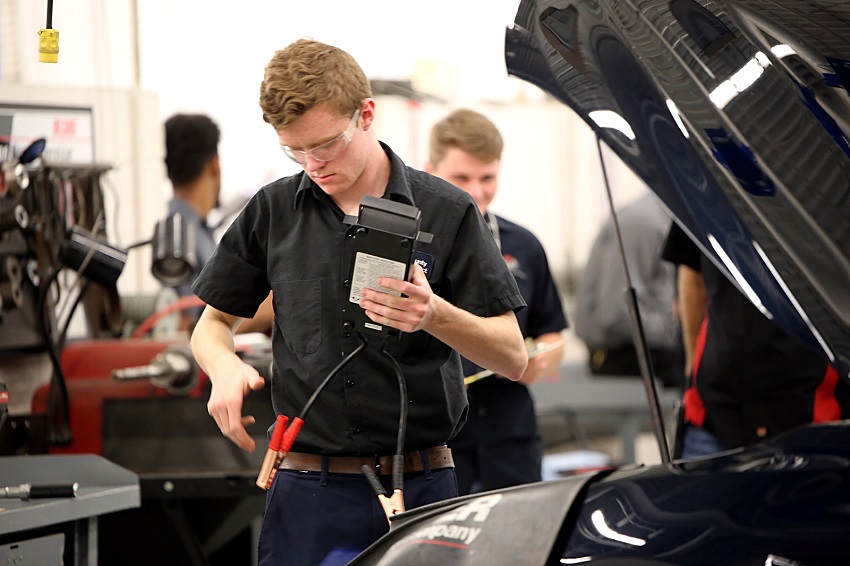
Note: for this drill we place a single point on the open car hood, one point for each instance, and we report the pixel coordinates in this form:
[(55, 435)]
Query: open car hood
[(736, 114)]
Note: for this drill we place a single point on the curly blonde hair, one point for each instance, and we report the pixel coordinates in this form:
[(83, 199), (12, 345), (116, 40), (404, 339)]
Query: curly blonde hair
[(307, 73), (467, 131)]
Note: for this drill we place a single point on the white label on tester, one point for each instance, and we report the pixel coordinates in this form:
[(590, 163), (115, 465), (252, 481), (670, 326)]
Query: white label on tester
[(368, 268)]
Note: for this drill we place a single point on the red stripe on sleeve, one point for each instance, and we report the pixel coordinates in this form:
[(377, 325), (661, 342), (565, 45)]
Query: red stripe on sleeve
[(694, 406), (826, 405)]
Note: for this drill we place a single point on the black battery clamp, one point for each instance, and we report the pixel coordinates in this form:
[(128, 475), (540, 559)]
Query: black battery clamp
[(385, 235)]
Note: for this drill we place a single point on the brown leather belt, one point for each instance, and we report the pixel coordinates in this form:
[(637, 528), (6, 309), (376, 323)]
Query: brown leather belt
[(438, 457)]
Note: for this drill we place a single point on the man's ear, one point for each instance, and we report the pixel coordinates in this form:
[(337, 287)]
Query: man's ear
[(214, 166), (367, 113)]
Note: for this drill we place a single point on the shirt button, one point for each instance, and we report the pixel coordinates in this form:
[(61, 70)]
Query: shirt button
[(357, 430), (350, 383)]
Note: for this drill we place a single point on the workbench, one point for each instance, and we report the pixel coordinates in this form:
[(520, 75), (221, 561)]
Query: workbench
[(622, 399), (60, 531)]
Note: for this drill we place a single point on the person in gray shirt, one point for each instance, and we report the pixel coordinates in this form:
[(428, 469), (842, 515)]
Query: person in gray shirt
[(192, 163), (191, 159), (602, 315)]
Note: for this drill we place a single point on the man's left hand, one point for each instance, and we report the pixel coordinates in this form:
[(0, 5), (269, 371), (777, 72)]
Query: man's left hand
[(410, 312)]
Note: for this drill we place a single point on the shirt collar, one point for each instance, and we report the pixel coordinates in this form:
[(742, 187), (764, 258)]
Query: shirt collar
[(178, 205), (398, 186)]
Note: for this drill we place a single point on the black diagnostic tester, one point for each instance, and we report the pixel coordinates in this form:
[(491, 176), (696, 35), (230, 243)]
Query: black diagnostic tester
[(385, 234)]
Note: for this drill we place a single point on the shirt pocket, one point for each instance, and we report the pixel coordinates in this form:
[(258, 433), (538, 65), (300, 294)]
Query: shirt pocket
[(298, 313)]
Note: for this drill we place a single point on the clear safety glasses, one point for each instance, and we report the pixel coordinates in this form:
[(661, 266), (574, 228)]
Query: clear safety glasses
[(328, 150)]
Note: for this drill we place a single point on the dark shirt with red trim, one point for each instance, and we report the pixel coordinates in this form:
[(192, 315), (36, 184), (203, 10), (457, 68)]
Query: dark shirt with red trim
[(503, 408), (751, 379), (501, 432)]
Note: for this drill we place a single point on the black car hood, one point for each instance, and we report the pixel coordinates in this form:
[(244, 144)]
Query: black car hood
[(736, 115)]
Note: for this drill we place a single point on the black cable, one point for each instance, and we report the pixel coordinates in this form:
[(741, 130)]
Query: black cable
[(49, 14), (398, 459), (327, 379), (59, 419), (61, 339), (58, 409), (138, 245)]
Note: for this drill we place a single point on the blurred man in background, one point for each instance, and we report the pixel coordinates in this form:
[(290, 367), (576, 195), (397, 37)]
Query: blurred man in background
[(192, 162), (602, 318), (500, 444), (191, 159)]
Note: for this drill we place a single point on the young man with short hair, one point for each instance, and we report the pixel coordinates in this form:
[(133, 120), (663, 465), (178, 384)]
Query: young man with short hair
[(192, 163), (500, 444), (291, 239)]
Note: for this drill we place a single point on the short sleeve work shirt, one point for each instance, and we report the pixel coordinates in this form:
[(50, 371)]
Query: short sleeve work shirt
[(500, 408), (291, 239)]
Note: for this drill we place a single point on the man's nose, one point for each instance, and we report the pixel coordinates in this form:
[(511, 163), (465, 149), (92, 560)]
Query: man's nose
[(475, 189), (311, 164)]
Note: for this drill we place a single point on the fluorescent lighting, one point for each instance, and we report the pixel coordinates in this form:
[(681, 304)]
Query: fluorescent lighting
[(762, 59), (740, 80), (794, 302), (674, 111), (747, 75), (598, 520), (782, 50), (739, 278), (723, 94), (609, 119)]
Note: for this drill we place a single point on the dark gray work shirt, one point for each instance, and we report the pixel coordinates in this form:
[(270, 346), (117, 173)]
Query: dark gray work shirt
[(291, 239)]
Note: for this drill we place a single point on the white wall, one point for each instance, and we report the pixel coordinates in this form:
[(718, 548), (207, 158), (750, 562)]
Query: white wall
[(201, 56)]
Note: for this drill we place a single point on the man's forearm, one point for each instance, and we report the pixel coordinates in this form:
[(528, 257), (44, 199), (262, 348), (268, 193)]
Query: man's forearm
[(494, 343), (212, 340), (692, 310)]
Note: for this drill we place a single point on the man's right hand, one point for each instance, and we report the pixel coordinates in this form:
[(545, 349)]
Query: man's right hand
[(231, 382)]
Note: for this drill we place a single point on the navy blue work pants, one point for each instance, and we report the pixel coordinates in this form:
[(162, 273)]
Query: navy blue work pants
[(324, 519), (489, 466), (699, 443)]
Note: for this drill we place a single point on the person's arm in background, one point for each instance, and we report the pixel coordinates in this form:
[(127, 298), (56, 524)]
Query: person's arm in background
[(552, 344), (231, 378), (691, 310), (492, 342), (262, 320)]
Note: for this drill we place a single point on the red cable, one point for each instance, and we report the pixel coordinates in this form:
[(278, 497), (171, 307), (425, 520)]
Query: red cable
[(184, 303)]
